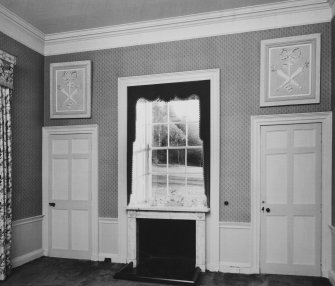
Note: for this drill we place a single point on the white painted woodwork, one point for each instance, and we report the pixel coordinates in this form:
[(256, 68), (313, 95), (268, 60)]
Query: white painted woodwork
[(26, 240), (235, 247), (80, 239), (212, 218), (59, 229), (70, 229), (291, 190), (231, 21), (109, 239), (80, 179), (200, 231), (323, 118)]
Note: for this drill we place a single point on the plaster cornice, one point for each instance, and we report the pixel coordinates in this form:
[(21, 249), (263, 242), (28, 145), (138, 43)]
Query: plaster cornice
[(232, 21), (21, 31)]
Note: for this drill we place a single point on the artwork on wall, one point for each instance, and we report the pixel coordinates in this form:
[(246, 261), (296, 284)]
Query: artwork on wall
[(70, 90), (290, 70)]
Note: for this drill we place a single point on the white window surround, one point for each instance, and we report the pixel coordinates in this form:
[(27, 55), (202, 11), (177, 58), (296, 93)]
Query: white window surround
[(212, 218)]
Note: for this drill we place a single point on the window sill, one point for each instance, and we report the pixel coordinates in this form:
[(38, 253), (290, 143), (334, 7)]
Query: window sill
[(168, 209)]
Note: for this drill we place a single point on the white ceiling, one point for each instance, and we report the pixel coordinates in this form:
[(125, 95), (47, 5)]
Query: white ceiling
[(55, 16)]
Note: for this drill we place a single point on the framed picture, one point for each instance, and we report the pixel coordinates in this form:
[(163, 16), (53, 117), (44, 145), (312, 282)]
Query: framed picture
[(70, 90), (290, 70)]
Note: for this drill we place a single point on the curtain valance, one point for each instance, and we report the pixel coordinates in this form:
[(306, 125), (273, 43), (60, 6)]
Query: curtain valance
[(7, 63)]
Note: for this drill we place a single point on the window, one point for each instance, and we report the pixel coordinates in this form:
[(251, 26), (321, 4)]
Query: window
[(166, 153)]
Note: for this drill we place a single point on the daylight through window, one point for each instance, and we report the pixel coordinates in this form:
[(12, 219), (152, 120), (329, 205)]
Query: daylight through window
[(168, 154)]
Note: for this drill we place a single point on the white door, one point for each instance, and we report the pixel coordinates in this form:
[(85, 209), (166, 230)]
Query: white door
[(291, 199), (70, 195)]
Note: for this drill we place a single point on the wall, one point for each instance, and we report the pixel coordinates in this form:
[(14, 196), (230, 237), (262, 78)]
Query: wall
[(238, 58), (27, 120)]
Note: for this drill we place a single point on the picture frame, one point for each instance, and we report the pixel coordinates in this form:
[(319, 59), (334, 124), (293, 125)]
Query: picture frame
[(290, 70), (70, 90)]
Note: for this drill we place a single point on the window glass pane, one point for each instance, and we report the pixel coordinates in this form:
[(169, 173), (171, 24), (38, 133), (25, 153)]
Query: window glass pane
[(195, 184), (194, 161), (193, 137), (192, 109), (178, 110), (177, 134), (176, 161), (159, 112), (159, 160), (177, 184), (159, 184), (159, 135)]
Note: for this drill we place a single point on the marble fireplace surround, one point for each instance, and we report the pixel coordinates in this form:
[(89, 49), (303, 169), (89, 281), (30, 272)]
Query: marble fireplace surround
[(196, 214)]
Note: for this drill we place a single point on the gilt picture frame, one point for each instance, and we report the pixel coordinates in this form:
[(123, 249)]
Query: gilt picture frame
[(70, 90), (290, 70)]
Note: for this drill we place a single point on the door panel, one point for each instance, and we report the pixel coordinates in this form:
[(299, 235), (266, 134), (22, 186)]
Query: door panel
[(70, 173), (304, 179), (291, 199), (80, 239), (60, 179), (80, 179), (276, 243), (276, 180), (60, 228)]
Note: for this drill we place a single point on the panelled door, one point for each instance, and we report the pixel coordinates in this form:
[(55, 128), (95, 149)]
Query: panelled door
[(69, 193), (291, 199)]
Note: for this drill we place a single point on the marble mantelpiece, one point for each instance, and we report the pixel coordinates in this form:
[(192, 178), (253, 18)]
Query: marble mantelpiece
[(175, 213)]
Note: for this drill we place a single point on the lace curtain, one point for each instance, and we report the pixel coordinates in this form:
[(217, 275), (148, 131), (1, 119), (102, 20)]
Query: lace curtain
[(7, 63)]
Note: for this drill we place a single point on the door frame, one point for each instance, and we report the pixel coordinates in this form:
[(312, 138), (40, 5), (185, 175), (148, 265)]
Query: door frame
[(212, 218), (325, 118), (63, 130)]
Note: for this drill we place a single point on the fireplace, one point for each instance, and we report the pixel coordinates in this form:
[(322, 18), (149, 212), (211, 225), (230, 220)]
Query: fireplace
[(165, 246)]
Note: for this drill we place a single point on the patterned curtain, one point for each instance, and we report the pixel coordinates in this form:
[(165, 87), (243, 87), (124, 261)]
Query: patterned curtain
[(7, 63)]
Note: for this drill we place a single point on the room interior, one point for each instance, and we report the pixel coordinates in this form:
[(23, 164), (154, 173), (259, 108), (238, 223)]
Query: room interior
[(131, 44)]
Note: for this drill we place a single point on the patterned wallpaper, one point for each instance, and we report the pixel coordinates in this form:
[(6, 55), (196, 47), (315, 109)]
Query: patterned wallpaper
[(27, 120), (238, 58)]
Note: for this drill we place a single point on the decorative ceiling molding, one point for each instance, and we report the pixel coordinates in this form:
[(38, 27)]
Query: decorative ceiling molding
[(260, 17), (21, 31), (232, 21)]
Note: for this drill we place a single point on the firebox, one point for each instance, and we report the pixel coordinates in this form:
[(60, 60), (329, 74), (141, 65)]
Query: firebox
[(166, 248)]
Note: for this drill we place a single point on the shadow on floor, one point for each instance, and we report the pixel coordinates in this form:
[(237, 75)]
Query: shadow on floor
[(47, 271)]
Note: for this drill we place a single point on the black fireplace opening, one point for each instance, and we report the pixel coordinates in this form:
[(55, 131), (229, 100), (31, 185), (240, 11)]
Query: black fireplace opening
[(166, 248), (166, 253)]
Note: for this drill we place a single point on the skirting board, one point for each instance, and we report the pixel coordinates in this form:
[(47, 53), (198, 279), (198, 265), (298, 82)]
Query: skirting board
[(23, 259), (241, 268)]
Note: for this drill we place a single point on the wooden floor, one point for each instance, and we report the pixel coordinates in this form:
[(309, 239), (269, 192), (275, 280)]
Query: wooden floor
[(48, 271)]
